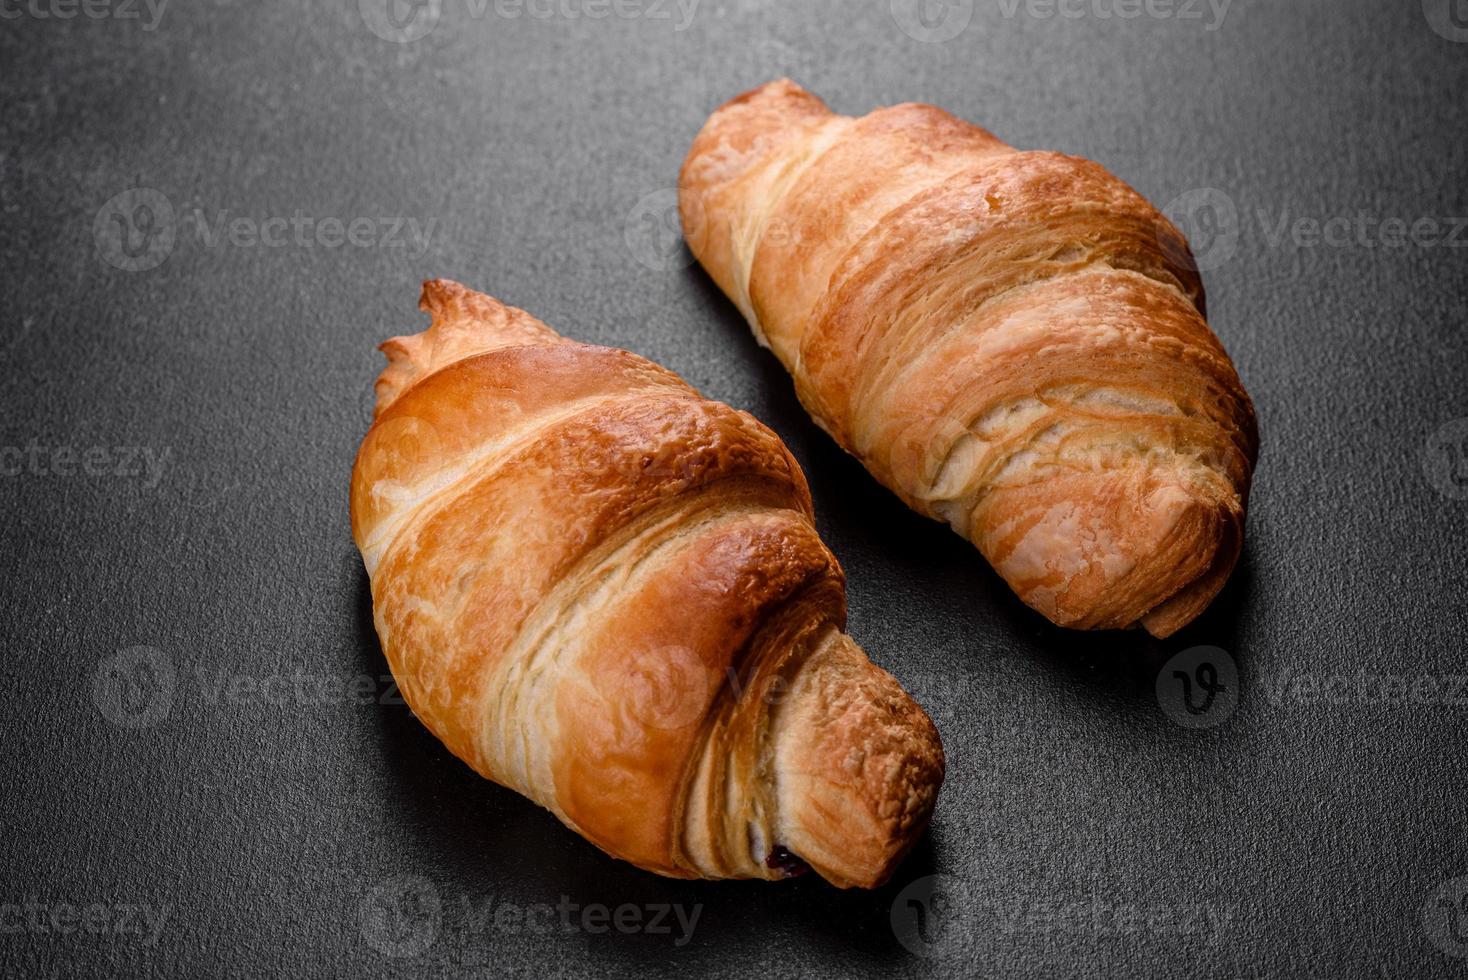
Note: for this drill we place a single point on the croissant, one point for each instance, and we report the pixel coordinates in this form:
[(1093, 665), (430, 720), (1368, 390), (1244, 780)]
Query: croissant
[(1013, 342), (607, 593)]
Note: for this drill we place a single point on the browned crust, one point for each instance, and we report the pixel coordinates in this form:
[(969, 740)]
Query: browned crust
[(1013, 342)]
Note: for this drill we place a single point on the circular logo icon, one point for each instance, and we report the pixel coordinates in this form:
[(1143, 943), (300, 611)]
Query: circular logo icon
[(928, 915), (134, 688), (1445, 917), (402, 916), (135, 230), (654, 234), (665, 688), (405, 451), (400, 21), (1199, 688), (1445, 460), (920, 456), (932, 21), (1448, 18), (1209, 220)]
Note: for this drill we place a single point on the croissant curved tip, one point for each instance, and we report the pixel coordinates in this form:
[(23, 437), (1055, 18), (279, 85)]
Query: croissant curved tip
[(1115, 549), (438, 287), (1196, 553), (859, 772), (443, 296), (1222, 550), (777, 94), (464, 322), (774, 87)]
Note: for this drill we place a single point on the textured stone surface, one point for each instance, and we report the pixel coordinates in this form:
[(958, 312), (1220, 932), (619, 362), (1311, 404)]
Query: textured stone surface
[(284, 827)]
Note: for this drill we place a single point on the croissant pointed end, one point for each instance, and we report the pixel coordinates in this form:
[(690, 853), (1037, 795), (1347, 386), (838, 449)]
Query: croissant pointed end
[(445, 299), (774, 91), (729, 168), (464, 323), (1116, 549), (437, 293), (1219, 548), (859, 772)]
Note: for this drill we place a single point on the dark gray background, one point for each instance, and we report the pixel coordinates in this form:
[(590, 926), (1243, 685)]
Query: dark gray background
[(1082, 831)]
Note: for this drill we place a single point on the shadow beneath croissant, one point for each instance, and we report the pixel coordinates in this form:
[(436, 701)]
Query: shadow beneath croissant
[(483, 845)]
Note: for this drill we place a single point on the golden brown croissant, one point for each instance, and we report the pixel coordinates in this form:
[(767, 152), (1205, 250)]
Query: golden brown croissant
[(1013, 342), (606, 592)]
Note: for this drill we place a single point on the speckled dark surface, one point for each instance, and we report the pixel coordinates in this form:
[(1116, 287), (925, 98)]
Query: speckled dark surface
[(279, 826)]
